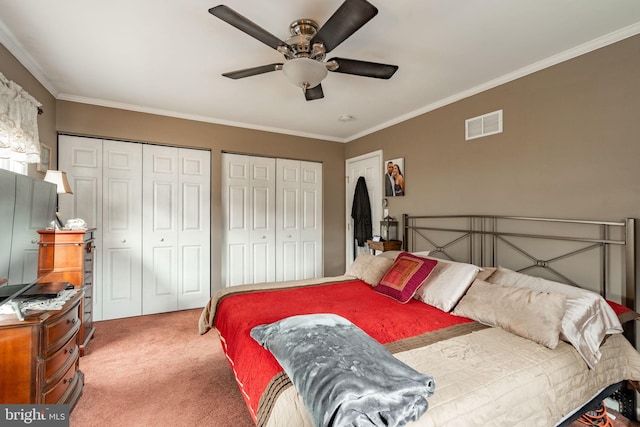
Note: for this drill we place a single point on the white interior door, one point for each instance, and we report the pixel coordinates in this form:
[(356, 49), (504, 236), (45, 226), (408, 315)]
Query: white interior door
[(235, 203), (298, 220), (311, 233), (262, 236), (288, 220), (81, 159), (160, 229), (194, 238), (370, 167), (122, 229), (249, 219)]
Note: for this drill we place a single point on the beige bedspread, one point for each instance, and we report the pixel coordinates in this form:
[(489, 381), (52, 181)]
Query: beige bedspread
[(479, 384), (488, 377)]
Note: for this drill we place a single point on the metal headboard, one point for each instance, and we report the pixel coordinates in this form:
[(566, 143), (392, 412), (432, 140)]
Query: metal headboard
[(598, 255)]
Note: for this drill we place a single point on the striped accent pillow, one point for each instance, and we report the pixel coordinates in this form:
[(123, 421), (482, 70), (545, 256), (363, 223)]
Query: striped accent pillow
[(405, 276)]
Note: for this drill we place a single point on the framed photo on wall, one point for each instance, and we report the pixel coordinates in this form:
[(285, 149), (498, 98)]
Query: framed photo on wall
[(45, 158), (394, 184)]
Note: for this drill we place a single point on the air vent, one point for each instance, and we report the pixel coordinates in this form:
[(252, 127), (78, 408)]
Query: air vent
[(487, 124)]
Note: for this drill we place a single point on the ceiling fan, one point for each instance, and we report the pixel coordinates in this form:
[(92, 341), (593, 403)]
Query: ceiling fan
[(305, 50)]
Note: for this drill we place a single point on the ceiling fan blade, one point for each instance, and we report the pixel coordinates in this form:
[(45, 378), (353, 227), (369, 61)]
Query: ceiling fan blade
[(232, 17), (314, 93), (348, 19), (364, 68), (248, 72)]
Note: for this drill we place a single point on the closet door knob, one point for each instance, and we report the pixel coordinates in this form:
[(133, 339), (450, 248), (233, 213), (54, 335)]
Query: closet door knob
[(124, 240), (162, 240)]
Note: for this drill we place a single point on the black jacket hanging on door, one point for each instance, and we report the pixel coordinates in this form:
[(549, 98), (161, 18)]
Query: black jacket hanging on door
[(361, 213)]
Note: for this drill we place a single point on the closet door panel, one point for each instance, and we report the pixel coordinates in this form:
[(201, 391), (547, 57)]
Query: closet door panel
[(288, 220), (249, 221), (289, 252), (122, 229), (160, 229), (237, 209), (262, 232), (237, 256), (123, 286), (261, 235), (310, 256), (311, 234), (194, 233), (81, 159)]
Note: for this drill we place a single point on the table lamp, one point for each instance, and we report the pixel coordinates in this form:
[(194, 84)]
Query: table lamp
[(58, 178)]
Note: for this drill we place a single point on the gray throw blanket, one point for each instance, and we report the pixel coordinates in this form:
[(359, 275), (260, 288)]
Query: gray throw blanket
[(345, 377)]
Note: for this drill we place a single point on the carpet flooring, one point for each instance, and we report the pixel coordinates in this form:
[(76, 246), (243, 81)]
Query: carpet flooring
[(156, 370)]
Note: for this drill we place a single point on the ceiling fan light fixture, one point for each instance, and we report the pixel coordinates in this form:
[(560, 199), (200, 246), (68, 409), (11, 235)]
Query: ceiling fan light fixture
[(304, 72)]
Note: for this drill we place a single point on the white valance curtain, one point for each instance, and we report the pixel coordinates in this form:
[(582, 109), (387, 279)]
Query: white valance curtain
[(19, 141)]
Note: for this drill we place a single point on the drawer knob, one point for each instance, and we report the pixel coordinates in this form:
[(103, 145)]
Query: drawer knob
[(72, 321), (67, 380)]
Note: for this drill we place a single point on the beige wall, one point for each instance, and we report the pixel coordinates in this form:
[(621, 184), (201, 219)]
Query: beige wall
[(570, 146)]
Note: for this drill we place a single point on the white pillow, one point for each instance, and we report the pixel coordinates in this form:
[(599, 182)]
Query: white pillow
[(369, 268), (588, 317), (530, 314), (446, 284)]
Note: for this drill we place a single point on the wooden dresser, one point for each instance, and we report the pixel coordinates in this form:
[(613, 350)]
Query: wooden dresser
[(69, 253), (40, 356)]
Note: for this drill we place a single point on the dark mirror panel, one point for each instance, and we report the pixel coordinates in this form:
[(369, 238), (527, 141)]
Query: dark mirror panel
[(27, 205), (7, 206)]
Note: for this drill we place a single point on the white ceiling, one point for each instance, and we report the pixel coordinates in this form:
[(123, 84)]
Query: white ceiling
[(167, 57)]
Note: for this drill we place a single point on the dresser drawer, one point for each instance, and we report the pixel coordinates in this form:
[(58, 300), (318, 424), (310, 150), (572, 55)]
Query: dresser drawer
[(60, 330), (58, 391), (59, 362)]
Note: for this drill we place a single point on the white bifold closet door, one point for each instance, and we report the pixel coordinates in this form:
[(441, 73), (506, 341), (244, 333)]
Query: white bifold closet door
[(272, 213), (298, 220), (248, 200), (121, 229), (176, 200), (151, 207)]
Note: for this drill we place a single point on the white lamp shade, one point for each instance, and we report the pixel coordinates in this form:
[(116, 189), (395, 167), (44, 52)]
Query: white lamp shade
[(304, 72), (59, 178)]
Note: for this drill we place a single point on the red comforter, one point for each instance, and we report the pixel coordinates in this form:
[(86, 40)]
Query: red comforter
[(383, 318)]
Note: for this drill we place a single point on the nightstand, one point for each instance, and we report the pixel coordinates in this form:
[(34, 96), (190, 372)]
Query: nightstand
[(391, 245)]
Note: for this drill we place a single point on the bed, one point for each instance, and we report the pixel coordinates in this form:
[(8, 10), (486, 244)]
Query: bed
[(464, 330)]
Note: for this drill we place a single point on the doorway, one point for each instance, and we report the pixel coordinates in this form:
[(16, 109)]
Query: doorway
[(370, 167)]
